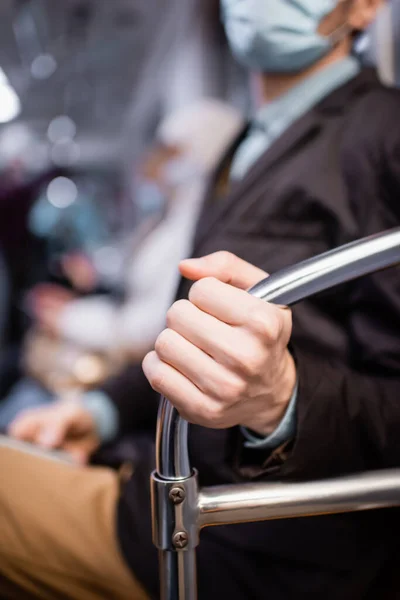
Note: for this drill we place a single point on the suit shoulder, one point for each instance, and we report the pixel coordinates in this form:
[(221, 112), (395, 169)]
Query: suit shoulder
[(379, 103), (373, 119)]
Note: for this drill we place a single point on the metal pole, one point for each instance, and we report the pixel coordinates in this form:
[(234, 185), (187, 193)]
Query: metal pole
[(172, 456), (178, 572), (285, 287), (177, 565), (243, 503)]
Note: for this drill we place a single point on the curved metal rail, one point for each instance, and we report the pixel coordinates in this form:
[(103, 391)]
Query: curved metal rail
[(229, 504), (286, 287)]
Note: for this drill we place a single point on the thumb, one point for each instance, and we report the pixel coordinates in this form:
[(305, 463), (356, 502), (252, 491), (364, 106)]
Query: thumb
[(224, 266)]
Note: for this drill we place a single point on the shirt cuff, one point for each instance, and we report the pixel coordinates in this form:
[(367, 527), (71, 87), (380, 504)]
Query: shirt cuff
[(285, 430), (104, 413)]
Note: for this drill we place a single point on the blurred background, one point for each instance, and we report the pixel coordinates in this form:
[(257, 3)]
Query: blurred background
[(84, 85), (84, 82), (87, 80)]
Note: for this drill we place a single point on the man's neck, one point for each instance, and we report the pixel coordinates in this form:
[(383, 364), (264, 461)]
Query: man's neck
[(272, 86)]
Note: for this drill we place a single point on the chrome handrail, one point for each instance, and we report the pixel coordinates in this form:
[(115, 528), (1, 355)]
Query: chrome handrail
[(248, 502), (174, 477)]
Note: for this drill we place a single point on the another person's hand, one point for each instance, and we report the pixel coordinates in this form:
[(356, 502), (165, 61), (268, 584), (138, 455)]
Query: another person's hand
[(80, 271), (65, 425), (47, 303), (223, 360)]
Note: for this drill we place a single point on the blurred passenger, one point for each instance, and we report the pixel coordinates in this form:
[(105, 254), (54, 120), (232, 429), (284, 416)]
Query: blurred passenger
[(24, 257), (318, 166), (4, 302), (173, 177), (189, 144), (68, 215)]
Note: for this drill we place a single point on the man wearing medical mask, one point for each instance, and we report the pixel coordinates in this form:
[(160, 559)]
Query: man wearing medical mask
[(318, 166)]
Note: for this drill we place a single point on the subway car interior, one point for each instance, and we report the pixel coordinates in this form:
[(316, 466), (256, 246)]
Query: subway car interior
[(199, 299)]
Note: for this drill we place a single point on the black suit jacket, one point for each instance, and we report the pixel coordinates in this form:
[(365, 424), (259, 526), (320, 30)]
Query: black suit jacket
[(333, 177)]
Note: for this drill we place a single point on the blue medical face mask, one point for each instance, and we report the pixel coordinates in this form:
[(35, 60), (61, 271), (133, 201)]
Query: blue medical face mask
[(278, 36)]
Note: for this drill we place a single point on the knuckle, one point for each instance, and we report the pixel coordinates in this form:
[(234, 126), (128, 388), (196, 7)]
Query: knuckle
[(266, 324), (201, 289), (211, 415), (163, 343), (252, 367), (232, 390), (157, 379), (214, 416), (146, 363), (175, 312), (249, 362), (153, 370), (225, 259)]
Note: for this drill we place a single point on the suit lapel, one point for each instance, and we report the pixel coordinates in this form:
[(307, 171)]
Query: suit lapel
[(217, 207)]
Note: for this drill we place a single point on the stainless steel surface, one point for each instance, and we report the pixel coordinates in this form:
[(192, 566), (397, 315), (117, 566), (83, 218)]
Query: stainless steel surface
[(263, 501), (332, 268), (178, 575), (172, 457), (168, 567), (187, 576), (169, 517)]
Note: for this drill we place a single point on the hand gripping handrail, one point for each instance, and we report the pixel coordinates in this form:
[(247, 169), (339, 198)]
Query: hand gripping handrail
[(179, 509)]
